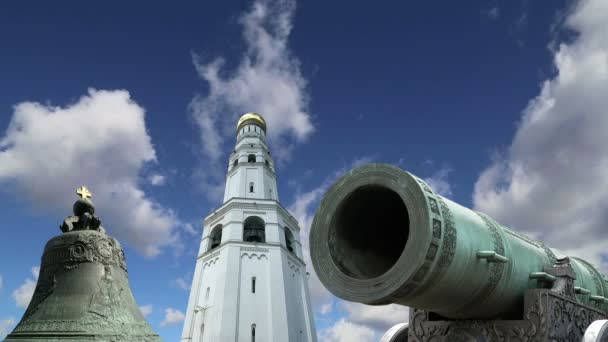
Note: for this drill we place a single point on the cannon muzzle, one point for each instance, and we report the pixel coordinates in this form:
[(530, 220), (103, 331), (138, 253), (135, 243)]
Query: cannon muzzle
[(382, 236)]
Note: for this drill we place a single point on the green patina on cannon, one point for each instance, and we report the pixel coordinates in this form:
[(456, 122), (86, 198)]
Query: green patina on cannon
[(381, 235)]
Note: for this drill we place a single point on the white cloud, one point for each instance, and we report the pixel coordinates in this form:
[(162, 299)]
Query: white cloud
[(326, 308), (23, 294), (346, 331), (552, 182), (181, 284), (517, 27), (189, 228), (100, 141), (35, 272), (156, 179), (494, 13), (146, 310), (267, 81), (378, 318), (439, 181), (172, 316), (6, 325)]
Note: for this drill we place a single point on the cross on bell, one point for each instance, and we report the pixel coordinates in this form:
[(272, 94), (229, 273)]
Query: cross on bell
[(83, 192)]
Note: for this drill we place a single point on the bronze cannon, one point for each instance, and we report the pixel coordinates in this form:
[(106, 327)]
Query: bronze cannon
[(381, 235)]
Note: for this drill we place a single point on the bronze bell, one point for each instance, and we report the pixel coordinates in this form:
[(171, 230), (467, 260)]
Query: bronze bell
[(83, 290)]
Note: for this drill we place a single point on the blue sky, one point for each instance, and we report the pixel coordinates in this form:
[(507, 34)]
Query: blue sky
[(498, 104)]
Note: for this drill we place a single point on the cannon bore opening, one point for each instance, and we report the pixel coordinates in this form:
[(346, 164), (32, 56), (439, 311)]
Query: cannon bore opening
[(369, 231)]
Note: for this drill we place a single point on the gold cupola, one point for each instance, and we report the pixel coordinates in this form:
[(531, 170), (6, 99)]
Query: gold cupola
[(251, 119)]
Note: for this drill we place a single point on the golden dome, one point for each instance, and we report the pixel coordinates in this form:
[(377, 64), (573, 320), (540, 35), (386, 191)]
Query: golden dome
[(251, 118)]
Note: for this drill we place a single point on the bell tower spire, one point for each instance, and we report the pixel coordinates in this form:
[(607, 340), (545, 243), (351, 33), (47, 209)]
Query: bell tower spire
[(251, 168), (250, 281)]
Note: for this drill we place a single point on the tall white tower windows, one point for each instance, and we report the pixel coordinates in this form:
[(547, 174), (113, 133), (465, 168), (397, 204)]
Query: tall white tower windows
[(251, 158), (254, 229), (288, 239), (216, 236), (252, 284), (250, 186), (253, 332)]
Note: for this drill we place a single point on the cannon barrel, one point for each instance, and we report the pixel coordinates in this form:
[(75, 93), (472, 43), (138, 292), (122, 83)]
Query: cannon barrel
[(381, 236)]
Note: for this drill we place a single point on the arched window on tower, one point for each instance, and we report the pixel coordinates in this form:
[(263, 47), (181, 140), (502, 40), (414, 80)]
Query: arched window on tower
[(216, 236), (253, 332), (236, 161), (254, 229), (252, 284), (267, 162), (289, 239), (251, 158)]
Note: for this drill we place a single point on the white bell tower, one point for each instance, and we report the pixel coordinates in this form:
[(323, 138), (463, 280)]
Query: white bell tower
[(250, 282)]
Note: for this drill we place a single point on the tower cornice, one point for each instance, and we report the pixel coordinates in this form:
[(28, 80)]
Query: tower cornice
[(249, 246), (251, 204), (234, 169), (250, 135)]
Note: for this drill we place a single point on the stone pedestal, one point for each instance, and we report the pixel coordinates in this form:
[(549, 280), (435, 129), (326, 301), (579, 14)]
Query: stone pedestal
[(550, 315)]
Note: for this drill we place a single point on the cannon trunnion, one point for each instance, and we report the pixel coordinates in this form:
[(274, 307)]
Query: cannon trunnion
[(381, 235)]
